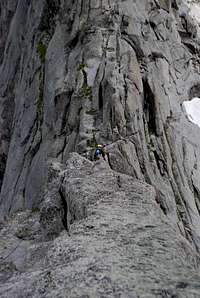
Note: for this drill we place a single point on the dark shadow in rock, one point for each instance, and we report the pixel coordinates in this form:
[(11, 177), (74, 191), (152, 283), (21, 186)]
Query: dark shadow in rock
[(194, 91), (149, 107), (2, 168)]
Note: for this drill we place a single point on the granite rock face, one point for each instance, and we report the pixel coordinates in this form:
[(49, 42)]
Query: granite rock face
[(7, 10), (120, 244), (77, 73)]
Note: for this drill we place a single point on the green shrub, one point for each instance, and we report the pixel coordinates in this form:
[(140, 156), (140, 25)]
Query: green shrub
[(40, 104), (41, 48), (81, 66), (86, 90)]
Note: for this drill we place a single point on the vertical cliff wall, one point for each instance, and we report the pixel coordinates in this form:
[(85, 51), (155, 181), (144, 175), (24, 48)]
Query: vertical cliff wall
[(7, 10), (115, 72)]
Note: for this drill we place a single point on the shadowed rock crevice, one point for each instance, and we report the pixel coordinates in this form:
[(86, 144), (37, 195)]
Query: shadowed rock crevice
[(150, 108), (66, 222), (48, 19), (194, 91), (2, 168), (160, 201), (100, 97)]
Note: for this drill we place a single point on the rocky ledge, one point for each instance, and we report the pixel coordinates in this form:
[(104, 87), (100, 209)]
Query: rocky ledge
[(99, 233)]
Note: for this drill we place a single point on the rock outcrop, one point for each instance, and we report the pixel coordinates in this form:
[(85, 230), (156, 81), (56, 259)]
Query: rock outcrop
[(120, 244)]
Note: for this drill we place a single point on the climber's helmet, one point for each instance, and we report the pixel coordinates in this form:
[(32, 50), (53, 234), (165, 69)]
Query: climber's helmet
[(99, 146)]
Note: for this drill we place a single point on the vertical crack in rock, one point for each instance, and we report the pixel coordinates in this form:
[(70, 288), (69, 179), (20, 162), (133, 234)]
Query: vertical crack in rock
[(66, 215), (101, 97), (150, 108), (197, 201), (2, 168)]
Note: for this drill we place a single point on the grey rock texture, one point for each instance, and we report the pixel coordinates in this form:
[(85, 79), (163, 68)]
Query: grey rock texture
[(7, 10), (125, 247), (77, 73), (114, 72)]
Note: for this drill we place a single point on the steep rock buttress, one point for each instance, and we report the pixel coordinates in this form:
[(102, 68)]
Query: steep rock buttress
[(120, 244)]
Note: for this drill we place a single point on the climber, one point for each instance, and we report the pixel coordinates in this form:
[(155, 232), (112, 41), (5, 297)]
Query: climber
[(100, 152)]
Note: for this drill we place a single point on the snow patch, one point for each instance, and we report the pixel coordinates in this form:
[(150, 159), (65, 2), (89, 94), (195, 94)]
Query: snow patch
[(192, 110)]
